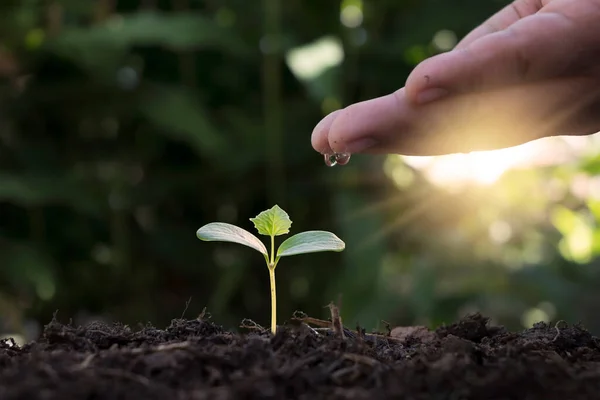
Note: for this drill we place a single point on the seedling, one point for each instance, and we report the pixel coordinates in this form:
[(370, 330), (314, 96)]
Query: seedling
[(272, 222)]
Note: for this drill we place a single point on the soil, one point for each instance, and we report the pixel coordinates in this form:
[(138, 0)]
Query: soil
[(197, 359)]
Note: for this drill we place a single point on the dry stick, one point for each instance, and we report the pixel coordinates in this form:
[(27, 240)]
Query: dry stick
[(203, 315), (314, 321), (336, 321), (249, 324), (162, 347), (327, 325), (557, 329), (388, 327), (187, 304)]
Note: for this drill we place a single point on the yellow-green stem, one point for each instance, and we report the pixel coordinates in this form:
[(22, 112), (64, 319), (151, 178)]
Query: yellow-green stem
[(273, 299), (272, 263)]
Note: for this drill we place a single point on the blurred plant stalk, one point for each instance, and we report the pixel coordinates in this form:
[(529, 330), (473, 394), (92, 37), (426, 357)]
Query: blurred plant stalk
[(273, 114)]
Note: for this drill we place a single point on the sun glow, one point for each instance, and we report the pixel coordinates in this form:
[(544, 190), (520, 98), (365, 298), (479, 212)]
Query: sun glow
[(486, 167)]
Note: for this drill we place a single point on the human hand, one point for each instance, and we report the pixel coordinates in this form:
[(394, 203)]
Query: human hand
[(530, 71)]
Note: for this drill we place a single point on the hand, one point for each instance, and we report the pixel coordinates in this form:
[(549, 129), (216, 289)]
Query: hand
[(530, 71)]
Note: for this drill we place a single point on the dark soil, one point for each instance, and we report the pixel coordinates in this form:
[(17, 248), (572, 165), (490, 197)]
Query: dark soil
[(196, 359)]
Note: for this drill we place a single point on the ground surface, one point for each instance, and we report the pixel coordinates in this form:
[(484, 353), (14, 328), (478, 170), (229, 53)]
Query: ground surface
[(196, 359)]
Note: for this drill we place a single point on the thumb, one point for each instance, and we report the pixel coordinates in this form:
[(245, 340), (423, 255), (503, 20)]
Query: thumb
[(539, 47)]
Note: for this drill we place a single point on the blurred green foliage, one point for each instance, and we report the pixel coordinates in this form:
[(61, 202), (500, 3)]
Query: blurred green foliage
[(127, 124)]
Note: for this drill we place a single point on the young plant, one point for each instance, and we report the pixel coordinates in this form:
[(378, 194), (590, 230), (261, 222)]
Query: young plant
[(272, 222)]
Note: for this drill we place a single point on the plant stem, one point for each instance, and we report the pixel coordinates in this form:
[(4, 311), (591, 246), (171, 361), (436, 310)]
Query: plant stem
[(272, 263), (272, 266), (273, 300)]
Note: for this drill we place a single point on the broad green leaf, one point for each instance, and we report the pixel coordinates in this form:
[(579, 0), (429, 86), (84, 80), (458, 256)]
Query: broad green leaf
[(272, 222), (223, 232), (184, 119), (102, 48), (310, 242), (146, 28), (43, 189)]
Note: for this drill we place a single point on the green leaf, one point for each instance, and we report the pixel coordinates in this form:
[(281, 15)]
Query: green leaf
[(184, 118), (310, 242), (43, 189), (272, 222), (223, 232), (102, 47)]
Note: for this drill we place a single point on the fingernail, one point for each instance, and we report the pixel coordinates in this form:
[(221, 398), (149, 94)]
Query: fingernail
[(360, 145), (429, 95)]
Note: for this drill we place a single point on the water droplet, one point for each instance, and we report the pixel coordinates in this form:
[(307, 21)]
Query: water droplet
[(334, 159), (330, 160), (342, 158)]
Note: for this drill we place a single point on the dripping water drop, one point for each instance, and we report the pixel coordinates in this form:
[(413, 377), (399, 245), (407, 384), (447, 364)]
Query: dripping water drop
[(336, 158)]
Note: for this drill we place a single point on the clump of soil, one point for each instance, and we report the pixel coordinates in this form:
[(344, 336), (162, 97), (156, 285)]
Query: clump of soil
[(196, 359)]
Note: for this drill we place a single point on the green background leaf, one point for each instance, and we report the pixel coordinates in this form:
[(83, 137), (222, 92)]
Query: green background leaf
[(272, 222), (310, 242), (223, 232)]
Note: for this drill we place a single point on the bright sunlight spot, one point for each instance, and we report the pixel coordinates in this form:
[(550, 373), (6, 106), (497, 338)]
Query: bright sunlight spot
[(309, 61), (445, 40), (532, 316), (351, 17), (351, 13), (17, 337), (500, 232), (486, 167)]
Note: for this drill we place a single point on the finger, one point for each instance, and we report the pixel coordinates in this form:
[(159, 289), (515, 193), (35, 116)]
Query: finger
[(319, 137), (531, 49), (363, 125), (503, 19), (470, 122)]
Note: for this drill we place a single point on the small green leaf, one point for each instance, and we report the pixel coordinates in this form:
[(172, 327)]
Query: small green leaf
[(273, 222), (223, 232), (310, 242)]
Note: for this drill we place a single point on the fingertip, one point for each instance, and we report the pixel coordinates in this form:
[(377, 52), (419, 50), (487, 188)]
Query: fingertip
[(364, 126), (319, 137)]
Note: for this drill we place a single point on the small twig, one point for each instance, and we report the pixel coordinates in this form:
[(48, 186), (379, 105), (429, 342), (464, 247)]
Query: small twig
[(327, 325), (187, 304), (204, 315), (336, 321), (360, 333), (313, 330), (162, 347), (299, 315), (249, 324), (557, 329), (388, 327), (314, 321)]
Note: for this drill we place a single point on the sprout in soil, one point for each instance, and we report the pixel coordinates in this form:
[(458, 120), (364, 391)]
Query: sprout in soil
[(272, 222)]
